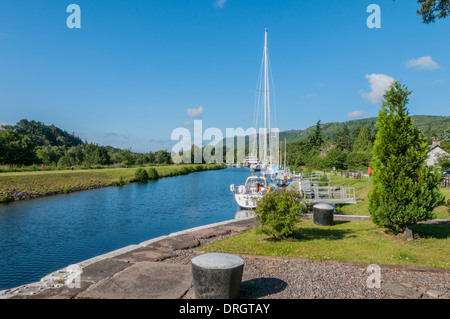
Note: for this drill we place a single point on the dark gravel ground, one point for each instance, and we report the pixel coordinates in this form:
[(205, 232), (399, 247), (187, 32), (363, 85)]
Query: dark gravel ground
[(294, 278)]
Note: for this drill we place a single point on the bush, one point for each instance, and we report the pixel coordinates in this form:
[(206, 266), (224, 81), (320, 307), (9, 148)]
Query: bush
[(152, 173), (120, 181), (183, 171), (141, 175), (4, 199), (279, 212)]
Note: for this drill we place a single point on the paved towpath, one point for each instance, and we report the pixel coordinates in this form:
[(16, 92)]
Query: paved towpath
[(161, 269)]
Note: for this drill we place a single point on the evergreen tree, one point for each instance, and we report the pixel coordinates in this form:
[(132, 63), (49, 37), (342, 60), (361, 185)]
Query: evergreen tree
[(405, 191), (362, 142), (316, 139), (343, 139)]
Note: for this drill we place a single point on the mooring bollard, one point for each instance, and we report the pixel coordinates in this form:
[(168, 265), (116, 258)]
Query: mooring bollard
[(323, 214), (217, 276)]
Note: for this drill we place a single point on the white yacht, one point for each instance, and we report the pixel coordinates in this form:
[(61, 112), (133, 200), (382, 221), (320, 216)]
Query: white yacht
[(255, 187)]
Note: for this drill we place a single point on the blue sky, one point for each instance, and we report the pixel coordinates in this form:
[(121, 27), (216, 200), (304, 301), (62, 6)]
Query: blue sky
[(136, 70)]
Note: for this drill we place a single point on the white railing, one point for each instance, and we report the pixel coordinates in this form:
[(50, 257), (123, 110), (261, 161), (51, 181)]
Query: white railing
[(317, 192)]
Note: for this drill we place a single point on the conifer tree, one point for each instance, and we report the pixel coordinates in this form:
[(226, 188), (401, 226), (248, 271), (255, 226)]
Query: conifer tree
[(404, 191)]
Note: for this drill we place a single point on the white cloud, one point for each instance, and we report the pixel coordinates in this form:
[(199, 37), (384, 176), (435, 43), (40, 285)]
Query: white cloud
[(195, 113), (379, 83), (423, 63), (355, 114), (220, 3)]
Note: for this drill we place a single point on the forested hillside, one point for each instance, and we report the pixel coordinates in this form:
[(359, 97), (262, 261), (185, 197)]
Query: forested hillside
[(348, 145), (430, 126), (34, 143)]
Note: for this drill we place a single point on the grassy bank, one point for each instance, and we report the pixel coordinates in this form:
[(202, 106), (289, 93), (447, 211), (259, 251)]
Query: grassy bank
[(362, 188), (42, 183), (348, 241)]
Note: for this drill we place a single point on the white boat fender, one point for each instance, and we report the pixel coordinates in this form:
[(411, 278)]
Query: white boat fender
[(232, 187)]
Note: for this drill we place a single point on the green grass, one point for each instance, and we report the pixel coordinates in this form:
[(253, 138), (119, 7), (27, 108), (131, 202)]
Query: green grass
[(64, 181), (362, 188), (359, 241)]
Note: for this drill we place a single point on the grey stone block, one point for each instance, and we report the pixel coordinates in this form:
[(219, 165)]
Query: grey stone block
[(217, 276), (323, 214)]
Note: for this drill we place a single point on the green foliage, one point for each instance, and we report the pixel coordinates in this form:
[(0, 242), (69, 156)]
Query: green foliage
[(31, 142), (444, 162), (184, 170), (316, 139), (96, 155), (279, 212), (430, 10), (41, 134), (64, 162), (4, 199), (162, 157), (152, 173), (363, 142), (120, 181), (16, 149), (141, 175), (447, 204), (404, 190)]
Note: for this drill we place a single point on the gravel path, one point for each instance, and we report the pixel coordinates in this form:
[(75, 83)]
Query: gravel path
[(294, 278)]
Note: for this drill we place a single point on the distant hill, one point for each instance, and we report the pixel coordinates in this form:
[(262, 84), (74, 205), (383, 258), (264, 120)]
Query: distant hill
[(46, 135), (430, 126)]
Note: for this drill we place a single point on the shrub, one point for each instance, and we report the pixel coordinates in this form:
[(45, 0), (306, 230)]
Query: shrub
[(141, 175), (5, 199), (279, 212), (183, 171), (152, 173), (120, 181)]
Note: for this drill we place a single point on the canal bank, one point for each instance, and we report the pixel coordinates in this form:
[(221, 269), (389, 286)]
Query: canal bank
[(19, 186), (160, 269)]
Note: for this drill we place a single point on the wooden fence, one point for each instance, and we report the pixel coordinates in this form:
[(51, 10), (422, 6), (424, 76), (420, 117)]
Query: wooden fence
[(446, 181)]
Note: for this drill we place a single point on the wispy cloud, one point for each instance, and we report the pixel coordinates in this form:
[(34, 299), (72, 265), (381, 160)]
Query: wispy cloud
[(423, 63), (309, 95), (220, 3), (195, 113), (355, 114), (379, 83)]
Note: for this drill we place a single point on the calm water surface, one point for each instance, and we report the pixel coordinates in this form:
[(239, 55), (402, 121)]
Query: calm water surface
[(43, 235)]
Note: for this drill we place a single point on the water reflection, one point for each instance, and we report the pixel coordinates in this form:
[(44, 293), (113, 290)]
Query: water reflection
[(244, 213)]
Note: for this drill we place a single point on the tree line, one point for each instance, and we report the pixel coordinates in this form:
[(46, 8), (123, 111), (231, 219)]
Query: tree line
[(33, 143), (345, 150)]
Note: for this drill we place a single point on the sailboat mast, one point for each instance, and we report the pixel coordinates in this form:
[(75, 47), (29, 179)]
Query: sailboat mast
[(265, 96), (268, 106)]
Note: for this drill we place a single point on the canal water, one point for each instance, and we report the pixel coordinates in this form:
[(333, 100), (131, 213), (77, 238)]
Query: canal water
[(43, 235)]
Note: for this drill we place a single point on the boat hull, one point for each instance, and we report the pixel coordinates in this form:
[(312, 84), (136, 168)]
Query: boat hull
[(247, 201)]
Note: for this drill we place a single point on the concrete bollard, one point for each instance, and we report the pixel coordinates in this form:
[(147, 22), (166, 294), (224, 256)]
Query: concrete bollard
[(217, 276), (323, 214)]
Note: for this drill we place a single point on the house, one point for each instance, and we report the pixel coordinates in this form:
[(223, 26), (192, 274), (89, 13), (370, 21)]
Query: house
[(435, 151)]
